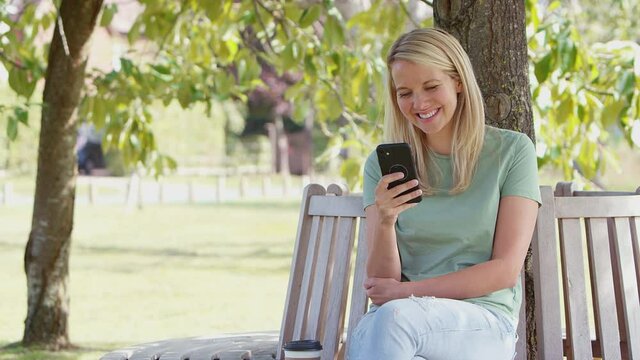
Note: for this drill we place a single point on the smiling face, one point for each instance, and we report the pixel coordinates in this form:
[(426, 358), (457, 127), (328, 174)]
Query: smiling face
[(426, 96)]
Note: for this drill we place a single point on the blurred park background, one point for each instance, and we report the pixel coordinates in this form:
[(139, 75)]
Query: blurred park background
[(201, 121)]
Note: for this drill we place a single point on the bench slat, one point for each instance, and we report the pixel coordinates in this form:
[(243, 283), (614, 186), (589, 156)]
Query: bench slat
[(603, 292), (297, 267), (319, 282), (597, 206), (336, 206), (576, 309), (635, 241), (547, 292), (629, 284), (336, 306), (305, 287), (358, 294)]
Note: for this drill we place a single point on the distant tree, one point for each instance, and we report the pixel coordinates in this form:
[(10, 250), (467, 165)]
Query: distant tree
[(47, 253)]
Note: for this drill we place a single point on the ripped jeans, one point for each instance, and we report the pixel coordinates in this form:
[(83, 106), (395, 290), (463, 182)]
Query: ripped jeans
[(432, 329)]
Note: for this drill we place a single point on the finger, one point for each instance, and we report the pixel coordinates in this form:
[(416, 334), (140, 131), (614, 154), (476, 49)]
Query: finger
[(401, 200), (403, 187), (367, 284), (383, 184), (389, 178), (406, 206)]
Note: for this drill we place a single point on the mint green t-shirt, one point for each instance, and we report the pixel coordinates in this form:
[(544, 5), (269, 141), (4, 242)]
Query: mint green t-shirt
[(446, 233)]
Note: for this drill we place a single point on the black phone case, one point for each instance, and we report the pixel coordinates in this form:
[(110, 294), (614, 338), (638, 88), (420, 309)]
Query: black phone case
[(397, 157)]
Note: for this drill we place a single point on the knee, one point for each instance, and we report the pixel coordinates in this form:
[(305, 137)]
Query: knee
[(394, 313)]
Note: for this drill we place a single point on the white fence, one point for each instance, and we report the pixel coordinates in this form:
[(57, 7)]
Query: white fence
[(136, 191)]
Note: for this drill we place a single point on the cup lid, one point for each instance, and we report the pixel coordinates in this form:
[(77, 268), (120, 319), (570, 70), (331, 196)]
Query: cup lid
[(303, 345)]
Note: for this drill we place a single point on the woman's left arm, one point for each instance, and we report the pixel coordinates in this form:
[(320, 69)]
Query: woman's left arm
[(514, 229)]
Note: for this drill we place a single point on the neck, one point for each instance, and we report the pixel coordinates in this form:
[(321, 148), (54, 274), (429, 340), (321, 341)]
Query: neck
[(440, 142)]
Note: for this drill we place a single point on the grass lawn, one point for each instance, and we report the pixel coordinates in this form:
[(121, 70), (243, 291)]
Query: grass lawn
[(161, 272)]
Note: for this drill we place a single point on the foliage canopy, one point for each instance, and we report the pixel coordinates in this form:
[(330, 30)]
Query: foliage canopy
[(207, 51)]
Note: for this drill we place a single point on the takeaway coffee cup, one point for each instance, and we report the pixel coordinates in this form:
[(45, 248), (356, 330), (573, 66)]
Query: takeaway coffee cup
[(302, 349)]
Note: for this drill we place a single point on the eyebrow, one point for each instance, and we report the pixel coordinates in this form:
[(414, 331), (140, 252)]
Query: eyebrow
[(424, 83)]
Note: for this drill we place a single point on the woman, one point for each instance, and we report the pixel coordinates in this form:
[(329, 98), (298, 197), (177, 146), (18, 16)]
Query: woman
[(443, 274)]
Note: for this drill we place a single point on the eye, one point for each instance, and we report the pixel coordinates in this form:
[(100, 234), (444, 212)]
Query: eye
[(404, 95), (429, 88)]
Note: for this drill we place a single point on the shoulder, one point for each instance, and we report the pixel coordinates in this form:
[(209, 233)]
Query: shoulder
[(373, 157), (506, 140), (371, 167)]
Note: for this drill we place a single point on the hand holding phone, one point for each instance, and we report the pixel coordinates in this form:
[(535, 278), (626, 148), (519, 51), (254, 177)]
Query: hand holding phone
[(394, 158)]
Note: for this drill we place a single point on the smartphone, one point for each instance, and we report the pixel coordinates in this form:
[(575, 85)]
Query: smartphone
[(397, 157)]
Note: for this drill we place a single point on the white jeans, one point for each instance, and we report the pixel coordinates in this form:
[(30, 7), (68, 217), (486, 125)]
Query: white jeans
[(432, 329)]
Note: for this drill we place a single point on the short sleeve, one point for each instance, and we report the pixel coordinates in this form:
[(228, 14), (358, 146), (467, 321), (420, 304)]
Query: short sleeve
[(371, 177), (522, 174)]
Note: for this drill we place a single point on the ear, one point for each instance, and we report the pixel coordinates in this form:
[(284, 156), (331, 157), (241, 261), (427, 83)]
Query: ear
[(458, 86)]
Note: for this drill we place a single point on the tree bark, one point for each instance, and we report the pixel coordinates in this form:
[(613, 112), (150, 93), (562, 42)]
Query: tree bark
[(493, 34), (47, 251)]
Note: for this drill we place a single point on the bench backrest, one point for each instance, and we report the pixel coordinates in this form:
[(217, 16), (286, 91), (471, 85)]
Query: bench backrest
[(317, 295), (320, 270), (598, 267)]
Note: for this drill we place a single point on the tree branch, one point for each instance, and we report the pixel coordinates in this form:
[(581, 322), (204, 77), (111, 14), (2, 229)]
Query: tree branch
[(11, 61), (429, 3), (406, 11), (276, 17), (599, 92), (266, 33), (166, 36), (63, 36)]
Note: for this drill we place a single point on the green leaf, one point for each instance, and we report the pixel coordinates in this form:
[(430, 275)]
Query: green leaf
[(333, 33), (224, 83), (213, 8), (127, 66), (327, 104), (350, 170), (613, 109), (184, 95), (309, 67), (565, 110), (291, 55), (170, 162), (134, 33), (98, 113), (568, 54), (310, 15), (12, 128), (292, 11), (22, 82), (543, 68), (107, 14), (626, 83), (21, 115)]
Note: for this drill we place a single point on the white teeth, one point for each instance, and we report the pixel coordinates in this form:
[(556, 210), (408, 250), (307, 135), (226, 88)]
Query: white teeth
[(427, 115)]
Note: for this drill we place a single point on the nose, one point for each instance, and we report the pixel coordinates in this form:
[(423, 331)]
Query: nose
[(421, 100)]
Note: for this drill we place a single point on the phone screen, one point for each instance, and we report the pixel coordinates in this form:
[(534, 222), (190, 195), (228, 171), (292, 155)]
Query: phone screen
[(394, 158)]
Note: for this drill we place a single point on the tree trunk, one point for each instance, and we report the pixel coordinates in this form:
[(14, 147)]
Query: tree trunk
[(47, 252), (493, 34)]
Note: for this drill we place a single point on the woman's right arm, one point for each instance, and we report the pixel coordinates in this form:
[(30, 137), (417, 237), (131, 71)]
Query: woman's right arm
[(383, 259)]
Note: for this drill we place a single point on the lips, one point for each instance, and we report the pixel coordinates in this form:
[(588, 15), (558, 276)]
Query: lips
[(427, 115)]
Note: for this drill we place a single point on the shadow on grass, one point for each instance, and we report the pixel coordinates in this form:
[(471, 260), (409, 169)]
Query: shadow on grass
[(264, 252), (240, 204), (15, 351)]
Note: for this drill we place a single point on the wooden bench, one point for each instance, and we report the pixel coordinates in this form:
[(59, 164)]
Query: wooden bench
[(324, 269), (597, 238)]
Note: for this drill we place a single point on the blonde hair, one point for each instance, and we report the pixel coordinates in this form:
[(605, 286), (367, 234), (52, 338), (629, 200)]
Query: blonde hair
[(437, 48)]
